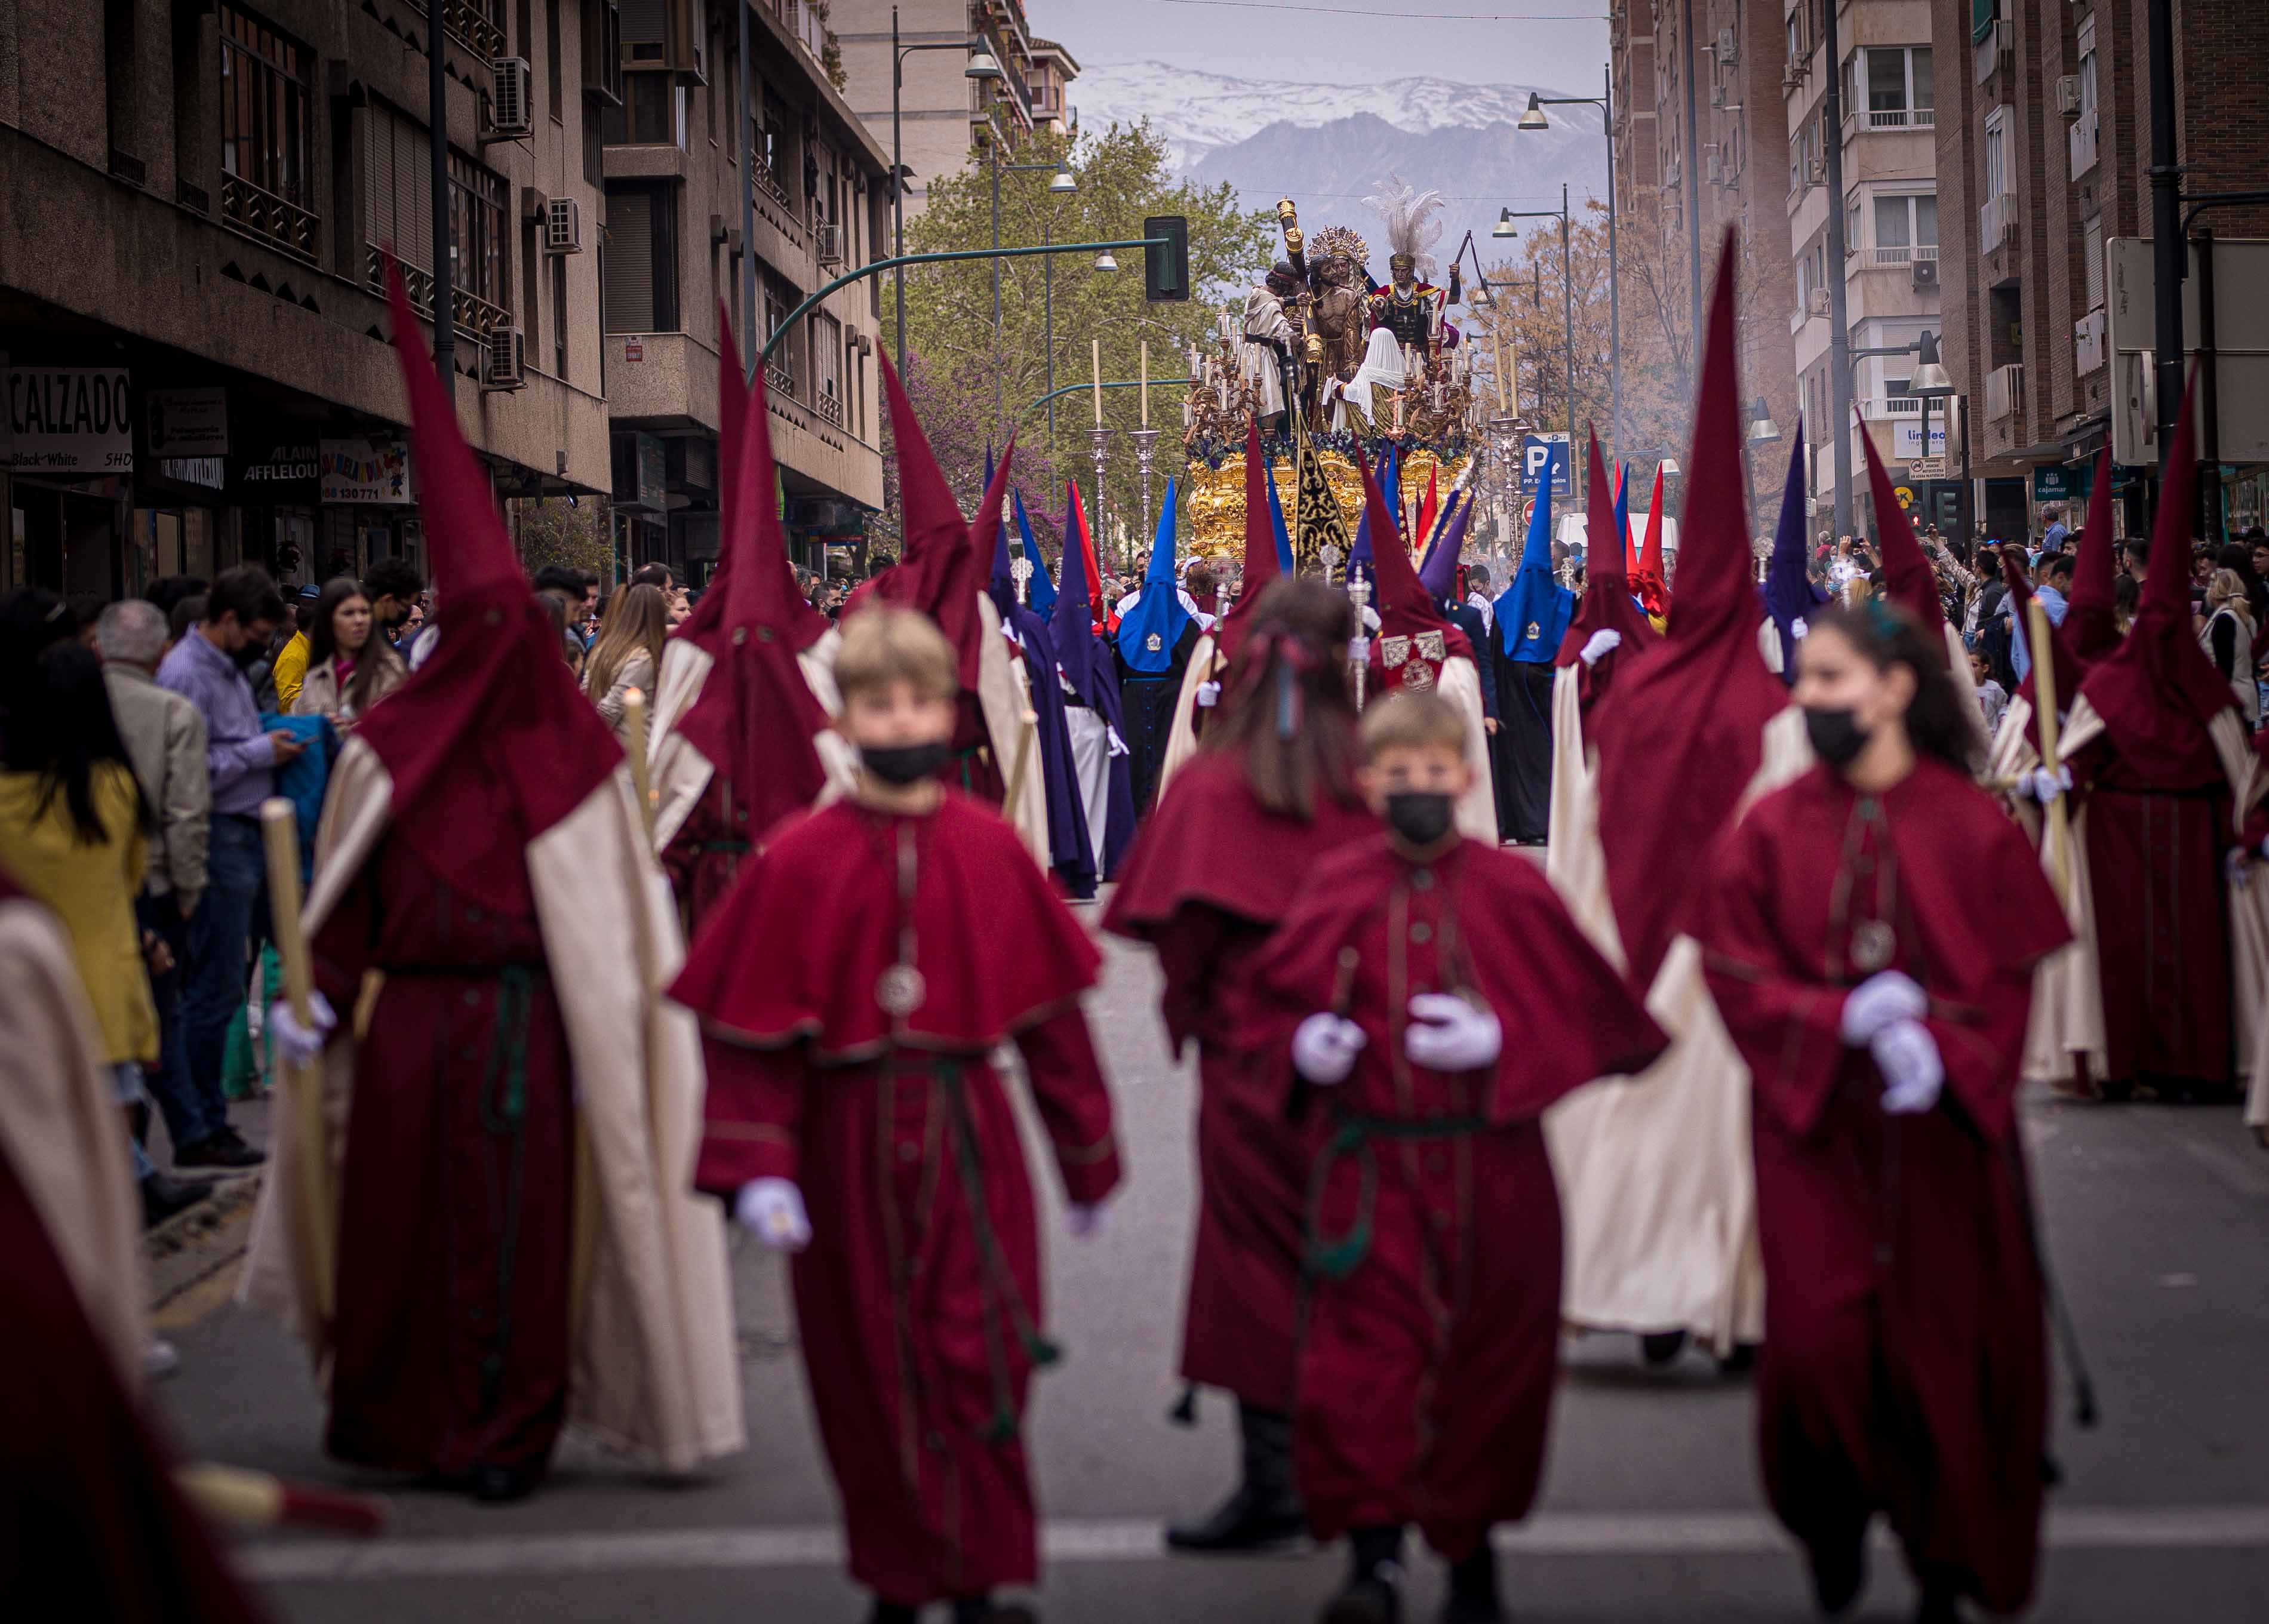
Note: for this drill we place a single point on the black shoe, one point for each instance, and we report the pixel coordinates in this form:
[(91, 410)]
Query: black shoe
[(1660, 1347), (1472, 1590), (985, 1610), (1366, 1601), (1940, 1603), (497, 1486), (893, 1612), (221, 1149), (1739, 1361), (1839, 1573), (1264, 1510), (163, 1197)]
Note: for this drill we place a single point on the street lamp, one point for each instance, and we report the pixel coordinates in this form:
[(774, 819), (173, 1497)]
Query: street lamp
[(982, 65), (1504, 227), (1534, 119), (1104, 261), (1762, 430), (1932, 382)]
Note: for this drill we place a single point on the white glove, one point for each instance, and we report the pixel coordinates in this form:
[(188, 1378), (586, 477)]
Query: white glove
[(1325, 1047), (2042, 785), (1085, 1218), (1599, 644), (1118, 744), (772, 1209), (1797, 627), (1886, 996), (1447, 1034), (1208, 695), (297, 1045), (1913, 1073)]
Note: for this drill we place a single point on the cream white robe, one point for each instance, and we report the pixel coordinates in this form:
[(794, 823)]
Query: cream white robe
[(63, 1131), (1657, 1184), (655, 1367)]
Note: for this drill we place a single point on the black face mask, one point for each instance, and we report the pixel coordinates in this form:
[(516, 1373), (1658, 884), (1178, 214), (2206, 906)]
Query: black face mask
[(905, 763), (1420, 817), (1837, 736)]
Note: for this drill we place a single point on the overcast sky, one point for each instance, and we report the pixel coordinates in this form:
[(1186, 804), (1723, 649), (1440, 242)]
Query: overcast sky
[(1296, 42)]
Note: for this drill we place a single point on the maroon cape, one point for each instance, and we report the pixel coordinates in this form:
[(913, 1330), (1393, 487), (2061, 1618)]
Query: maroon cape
[(919, 1299), (1426, 1369), (1908, 580), (1209, 877), (90, 1525), (1607, 603), (1680, 734), (1408, 614), (1903, 1367)]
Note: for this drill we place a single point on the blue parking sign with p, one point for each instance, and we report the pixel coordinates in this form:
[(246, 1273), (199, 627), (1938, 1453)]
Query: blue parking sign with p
[(1544, 456)]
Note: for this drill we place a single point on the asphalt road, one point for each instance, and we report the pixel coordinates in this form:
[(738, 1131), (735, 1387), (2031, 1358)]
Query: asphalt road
[(2158, 1218)]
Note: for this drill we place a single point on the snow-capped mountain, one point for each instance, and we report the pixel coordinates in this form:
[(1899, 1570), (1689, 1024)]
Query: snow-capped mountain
[(1328, 146)]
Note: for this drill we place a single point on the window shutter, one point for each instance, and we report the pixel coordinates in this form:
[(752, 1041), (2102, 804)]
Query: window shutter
[(630, 261), (2091, 250)]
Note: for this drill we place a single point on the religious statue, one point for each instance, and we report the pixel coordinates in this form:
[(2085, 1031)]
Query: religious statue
[(1338, 304), (1270, 337), (1410, 305)]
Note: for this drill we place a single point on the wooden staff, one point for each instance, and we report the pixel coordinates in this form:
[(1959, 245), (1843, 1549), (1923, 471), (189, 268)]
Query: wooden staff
[(1024, 735), (317, 1249), (238, 1498), (634, 746), (2045, 708)]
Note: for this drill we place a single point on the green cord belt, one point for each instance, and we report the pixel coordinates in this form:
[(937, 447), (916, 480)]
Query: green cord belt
[(1336, 1257)]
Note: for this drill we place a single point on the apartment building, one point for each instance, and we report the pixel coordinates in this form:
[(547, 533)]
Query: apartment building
[(2043, 151), (1638, 144), (670, 163), (191, 304), (1734, 58), (1890, 263), (941, 112)]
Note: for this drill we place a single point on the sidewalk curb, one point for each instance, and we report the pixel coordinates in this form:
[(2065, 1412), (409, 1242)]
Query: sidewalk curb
[(192, 1245)]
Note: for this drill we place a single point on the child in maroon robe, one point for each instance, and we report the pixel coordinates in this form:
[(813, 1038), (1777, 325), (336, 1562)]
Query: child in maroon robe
[(1270, 793), (869, 958), (1426, 1368), (1881, 1012)]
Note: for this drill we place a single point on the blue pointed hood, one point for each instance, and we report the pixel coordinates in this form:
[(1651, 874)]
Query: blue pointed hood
[(1789, 593), (1622, 509), (1147, 637), (1041, 590), (1532, 613), (1077, 651), (1002, 585), (1439, 573), (1276, 518)]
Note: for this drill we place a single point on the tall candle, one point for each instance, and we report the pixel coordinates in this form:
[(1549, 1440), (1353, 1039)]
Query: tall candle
[(1146, 383), (1096, 360)]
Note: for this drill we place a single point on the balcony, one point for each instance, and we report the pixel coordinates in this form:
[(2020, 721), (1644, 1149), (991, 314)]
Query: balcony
[(780, 379), (475, 318), (1888, 119), (830, 406), (2004, 391), (264, 216), (802, 21), (1903, 253), (2080, 139), (1994, 221), (2089, 343), (1877, 406), (471, 24)]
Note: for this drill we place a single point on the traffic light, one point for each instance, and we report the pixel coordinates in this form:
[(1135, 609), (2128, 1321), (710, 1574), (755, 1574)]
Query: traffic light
[(1166, 270)]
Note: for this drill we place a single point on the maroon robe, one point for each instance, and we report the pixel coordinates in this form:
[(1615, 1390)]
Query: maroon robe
[(919, 1299), (451, 1334), (1432, 1338), (90, 1525), (1904, 1368), (705, 855), (1209, 878)]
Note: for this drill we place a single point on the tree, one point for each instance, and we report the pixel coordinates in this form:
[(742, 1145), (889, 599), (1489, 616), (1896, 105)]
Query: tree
[(549, 531), (1123, 176)]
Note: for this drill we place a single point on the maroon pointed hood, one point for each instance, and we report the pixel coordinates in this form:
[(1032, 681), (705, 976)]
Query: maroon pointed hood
[(1260, 549), (1606, 604), (756, 717), (1681, 731), (492, 728), (2092, 626), (1908, 579), (2157, 691), (1405, 609)]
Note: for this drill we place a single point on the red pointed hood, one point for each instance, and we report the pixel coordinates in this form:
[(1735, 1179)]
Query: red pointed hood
[(491, 732), (939, 571), (1407, 617), (1681, 731), (2091, 625), (1908, 579), (2157, 691), (1605, 605), (1653, 576), (1260, 547), (756, 717)]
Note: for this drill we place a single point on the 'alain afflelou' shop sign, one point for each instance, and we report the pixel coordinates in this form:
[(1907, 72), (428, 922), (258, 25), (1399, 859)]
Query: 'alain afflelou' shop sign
[(72, 420)]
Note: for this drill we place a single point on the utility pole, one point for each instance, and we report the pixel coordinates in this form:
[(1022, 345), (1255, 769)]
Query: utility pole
[(2169, 253), (748, 196), (1839, 319), (445, 293), (1686, 161)]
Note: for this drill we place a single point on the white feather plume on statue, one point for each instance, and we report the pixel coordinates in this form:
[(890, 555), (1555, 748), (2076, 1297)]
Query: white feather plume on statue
[(1412, 219)]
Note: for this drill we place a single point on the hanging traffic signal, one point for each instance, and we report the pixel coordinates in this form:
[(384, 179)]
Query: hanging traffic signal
[(1166, 270)]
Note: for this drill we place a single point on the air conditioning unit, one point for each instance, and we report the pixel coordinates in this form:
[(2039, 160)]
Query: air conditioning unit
[(1817, 305), (1728, 48), (1790, 78), (1926, 275), (827, 242), (512, 98), (563, 226), (2067, 95), (1816, 171), (506, 366), (1717, 95)]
